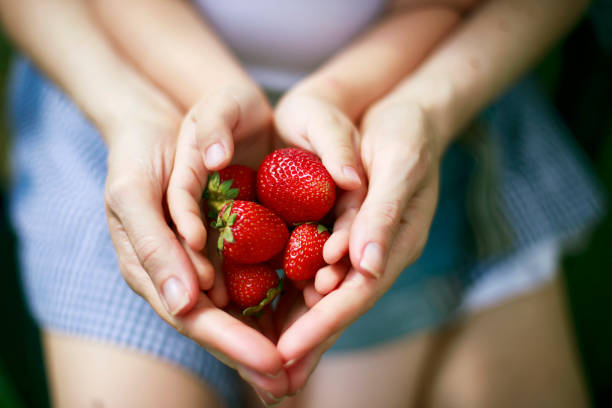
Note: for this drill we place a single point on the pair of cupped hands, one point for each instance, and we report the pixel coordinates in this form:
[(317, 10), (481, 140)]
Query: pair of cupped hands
[(386, 167)]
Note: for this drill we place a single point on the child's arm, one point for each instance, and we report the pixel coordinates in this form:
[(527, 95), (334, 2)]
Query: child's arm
[(490, 51), (169, 41), (368, 68), (139, 125)]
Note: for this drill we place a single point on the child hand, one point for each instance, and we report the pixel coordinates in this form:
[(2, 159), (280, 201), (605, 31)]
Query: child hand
[(318, 126), (231, 120)]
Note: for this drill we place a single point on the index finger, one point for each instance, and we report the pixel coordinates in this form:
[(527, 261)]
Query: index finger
[(334, 312)]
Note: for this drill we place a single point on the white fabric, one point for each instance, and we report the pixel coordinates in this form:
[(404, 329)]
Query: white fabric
[(527, 271), (279, 42)]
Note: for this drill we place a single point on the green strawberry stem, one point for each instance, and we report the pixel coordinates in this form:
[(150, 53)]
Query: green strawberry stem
[(223, 223), (270, 295), (217, 194), (320, 227)]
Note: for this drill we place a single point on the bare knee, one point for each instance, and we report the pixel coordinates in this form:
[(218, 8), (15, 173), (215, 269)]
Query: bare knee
[(467, 382), (108, 376), (519, 354)]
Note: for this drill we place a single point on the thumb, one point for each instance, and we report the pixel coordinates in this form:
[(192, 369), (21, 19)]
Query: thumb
[(396, 173), (160, 253)]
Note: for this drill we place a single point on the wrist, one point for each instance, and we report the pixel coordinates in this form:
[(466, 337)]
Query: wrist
[(437, 99), (125, 100), (331, 90), (409, 118)]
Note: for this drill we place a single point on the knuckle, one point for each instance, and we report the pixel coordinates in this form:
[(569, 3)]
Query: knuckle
[(388, 212), (131, 278), (344, 152), (418, 249), (149, 251), (180, 327), (117, 189)]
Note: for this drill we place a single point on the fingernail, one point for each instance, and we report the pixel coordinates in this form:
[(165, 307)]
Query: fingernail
[(253, 376), (276, 400), (372, 259), (351, 174), (290, 363), (273, 375), (174, 295), (215, 154)]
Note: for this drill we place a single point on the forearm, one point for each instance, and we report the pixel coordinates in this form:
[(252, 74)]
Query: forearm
[(62, 39), (370, 67), (170, 42), (490, 51)]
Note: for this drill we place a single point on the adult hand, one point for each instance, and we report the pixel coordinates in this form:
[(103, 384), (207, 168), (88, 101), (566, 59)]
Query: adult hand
[(388, 231), (158, 264)]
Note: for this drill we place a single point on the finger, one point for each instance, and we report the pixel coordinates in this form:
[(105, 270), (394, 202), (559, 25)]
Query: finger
[(242, 346), (187, 183), (396, 169), (202, 265), (265, 387), (311, 296), (330, 276), (300, 371), (346, 207), (157, 248), (412, 235), (334, 139), (226, 117), (337, 244), (227, 338), (314, 125), (329, 316), (206, 143)]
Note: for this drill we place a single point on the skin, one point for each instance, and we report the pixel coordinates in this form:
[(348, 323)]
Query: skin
[(139, 127), (234, 109), (407, 117), (422, 114)]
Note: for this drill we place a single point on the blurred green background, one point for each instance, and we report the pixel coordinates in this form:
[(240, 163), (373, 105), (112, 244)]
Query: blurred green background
[(578, 75)]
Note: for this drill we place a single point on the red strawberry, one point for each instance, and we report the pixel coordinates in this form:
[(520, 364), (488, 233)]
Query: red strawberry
[(251, 286), (295, 184), (235, 182), (303, 256), (250, 233)]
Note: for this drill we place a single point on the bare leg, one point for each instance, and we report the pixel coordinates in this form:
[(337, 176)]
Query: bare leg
[(518, 354), (87, 374)]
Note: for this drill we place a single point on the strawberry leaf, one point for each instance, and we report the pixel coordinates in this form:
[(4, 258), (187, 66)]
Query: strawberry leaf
[(227, 235), (227, 211), (232, 193), (321, 228), (225, 186), (216, 223), (220, 243)]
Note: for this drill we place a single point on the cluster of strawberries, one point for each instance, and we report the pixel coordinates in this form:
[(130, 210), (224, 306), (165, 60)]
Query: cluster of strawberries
[(294, 191)]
